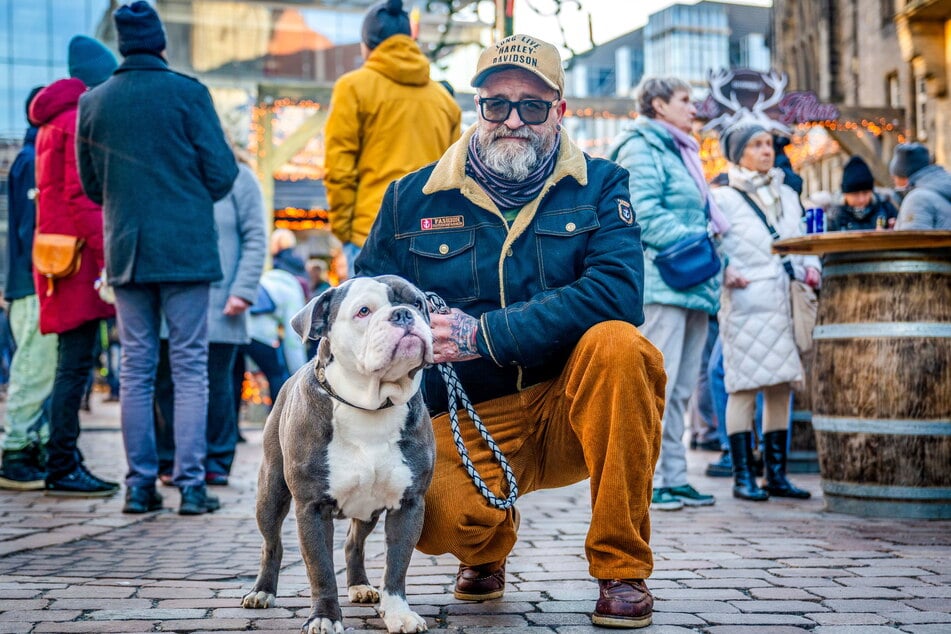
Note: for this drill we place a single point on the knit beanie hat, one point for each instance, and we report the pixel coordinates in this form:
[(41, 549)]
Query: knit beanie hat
[(733, 140), (908, 159), (857, 177), (139, 29), (29, 99), (90, 61), (384, 20)]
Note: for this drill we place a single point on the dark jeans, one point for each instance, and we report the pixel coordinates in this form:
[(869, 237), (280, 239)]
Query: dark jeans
[(271, 362), (75, 360), (222, 431)]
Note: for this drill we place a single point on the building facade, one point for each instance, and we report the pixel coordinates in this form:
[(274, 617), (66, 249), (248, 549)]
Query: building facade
[(883, 63)]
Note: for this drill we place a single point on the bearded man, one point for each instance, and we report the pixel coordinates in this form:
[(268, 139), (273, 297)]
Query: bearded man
[(535, 248)]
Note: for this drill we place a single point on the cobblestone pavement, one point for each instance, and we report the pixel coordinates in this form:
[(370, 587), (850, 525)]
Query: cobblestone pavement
[(779, 566)]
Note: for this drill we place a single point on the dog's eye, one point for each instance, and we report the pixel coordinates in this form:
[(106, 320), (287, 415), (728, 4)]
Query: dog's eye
[(363, 312), (419, 304)]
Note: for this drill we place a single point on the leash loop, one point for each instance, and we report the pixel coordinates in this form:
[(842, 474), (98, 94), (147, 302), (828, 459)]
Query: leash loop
[(456, 396)]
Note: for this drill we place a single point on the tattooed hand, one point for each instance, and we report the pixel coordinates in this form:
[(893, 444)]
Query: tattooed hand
[(454, 336)]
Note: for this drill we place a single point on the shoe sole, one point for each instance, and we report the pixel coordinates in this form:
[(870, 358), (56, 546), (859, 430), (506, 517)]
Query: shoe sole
[(139, 511), (81, 494), (621, 622), (465, 596), (691, 502), (22, 485), (667, 506)]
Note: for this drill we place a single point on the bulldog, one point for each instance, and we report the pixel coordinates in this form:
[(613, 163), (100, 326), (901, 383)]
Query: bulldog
[(350, 437)]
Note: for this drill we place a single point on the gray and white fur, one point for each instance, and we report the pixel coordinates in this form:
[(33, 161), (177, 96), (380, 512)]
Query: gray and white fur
[(365, 450)]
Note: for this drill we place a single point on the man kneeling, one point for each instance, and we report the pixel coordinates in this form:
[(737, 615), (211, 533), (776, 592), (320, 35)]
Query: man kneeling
[(535, 248)]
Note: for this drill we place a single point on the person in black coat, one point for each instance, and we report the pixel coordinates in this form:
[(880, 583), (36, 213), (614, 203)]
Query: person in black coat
[(153, 153), (862, 209)]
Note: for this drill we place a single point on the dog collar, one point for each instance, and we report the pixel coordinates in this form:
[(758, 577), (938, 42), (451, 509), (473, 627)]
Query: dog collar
[(322, 382)]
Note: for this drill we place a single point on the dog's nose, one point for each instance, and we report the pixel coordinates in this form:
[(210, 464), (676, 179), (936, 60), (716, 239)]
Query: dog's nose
[(401, 317)]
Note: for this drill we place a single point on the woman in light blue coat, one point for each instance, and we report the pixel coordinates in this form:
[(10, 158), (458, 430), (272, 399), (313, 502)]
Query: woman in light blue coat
[(239, 217), (671, 201)]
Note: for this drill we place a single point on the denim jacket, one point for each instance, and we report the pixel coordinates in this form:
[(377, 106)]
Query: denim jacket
[(571, 259)]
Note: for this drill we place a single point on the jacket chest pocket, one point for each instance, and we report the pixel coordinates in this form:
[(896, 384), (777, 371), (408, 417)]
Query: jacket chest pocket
[(561, 239), (445, 263)]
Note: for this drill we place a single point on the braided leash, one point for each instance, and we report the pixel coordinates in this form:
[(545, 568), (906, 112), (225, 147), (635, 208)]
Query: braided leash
[(457, 395)]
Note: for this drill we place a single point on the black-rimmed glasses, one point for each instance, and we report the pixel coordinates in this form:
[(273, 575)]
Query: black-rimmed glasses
[(530, 111)]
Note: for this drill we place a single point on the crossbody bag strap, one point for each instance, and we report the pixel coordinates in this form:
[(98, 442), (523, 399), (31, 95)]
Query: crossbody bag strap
[(772, 230)]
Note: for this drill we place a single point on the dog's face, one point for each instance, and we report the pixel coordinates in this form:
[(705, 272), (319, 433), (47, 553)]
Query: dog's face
[(373, 326)]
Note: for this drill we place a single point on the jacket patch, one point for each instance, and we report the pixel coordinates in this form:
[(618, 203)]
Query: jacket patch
[(625, 212), (442, 222)]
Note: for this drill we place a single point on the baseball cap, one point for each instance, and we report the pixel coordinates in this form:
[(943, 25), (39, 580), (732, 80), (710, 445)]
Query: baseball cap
[(526, 52)]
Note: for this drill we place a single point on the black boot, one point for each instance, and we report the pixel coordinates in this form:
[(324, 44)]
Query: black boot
[(744, 483), (774, 449), (722, 468)]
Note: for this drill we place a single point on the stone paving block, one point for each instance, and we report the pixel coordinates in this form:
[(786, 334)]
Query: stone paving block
[(782, 607), (930, 591), (847, 618), (889, 571), (803, 582), (869, 582), (756, 629), (735, 582), (499, 622), (929, 604), (925, 629), (9, 604), (36, 616), (883, 606), (764, 619), (96, 627), (695, 607), (855, 592), (677, 618), (144, 614), (101, 604), (858, 629), (923, 617), (697, 594), (557, 619), (782, 594), (497, 607), (206, 625)]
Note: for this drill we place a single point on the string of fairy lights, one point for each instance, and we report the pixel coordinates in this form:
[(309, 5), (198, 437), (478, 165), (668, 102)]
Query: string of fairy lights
[(309, 163)]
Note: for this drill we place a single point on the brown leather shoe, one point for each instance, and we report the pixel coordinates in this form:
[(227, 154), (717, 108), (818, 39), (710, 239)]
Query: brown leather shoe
[(623, 603), (480, 583)]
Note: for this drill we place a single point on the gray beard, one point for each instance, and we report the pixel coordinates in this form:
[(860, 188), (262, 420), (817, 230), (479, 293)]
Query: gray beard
[(512, 161)]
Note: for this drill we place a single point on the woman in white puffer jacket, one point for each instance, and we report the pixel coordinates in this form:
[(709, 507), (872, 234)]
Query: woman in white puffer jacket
[(759, 350)]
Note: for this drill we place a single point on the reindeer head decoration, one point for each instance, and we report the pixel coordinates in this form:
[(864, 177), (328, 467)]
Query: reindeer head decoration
[(734, 111)]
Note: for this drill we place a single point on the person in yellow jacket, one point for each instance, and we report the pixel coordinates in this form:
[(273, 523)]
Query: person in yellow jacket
[(386, 120)]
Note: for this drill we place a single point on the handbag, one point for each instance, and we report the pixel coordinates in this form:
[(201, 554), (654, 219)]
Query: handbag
[(803, 300), (688, 262), (56, 256), (804, 304), (264, 304)]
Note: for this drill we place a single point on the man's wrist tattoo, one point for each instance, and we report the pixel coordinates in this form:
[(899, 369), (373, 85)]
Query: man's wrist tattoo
[(463, 333)]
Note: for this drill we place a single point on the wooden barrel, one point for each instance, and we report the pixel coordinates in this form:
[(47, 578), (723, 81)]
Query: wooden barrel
[(881, 400), (803, 457)]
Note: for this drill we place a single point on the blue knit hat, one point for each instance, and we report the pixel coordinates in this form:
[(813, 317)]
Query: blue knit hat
[(384, 20), (90, 61), (139, 29)]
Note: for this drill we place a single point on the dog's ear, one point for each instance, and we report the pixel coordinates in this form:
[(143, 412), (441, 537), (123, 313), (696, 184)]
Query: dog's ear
[(313, 320)]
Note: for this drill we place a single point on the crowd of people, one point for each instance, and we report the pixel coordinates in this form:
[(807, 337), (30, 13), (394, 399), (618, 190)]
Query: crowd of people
[(570, 324)]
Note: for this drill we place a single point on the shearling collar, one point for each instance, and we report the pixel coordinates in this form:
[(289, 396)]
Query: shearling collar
[(450, 171)]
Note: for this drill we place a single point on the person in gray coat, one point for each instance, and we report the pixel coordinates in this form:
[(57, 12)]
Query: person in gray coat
[(927, 201), (241, 245), (157, 184)]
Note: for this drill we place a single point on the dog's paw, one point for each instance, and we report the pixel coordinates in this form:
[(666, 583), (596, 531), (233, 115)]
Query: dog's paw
[(321, 625), (363, 594), (398, 617), (258, 600)]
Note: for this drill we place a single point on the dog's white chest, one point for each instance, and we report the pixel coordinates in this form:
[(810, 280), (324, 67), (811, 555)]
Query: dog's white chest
[(367, 471)]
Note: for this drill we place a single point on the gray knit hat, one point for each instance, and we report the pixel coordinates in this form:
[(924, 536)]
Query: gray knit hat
[(384, 20), (908, 159), (733, 140)]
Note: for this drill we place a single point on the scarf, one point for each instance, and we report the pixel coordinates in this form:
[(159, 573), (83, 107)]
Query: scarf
[(690, 154), (506, 193), (765, 187)]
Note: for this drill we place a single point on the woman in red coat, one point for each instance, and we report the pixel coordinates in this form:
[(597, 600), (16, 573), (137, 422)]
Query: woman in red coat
[(70, 307)]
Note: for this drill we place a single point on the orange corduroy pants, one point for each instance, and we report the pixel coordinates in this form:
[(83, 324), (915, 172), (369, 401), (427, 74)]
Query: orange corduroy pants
[(600, 419)]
